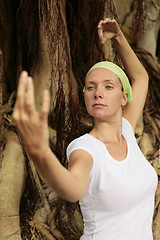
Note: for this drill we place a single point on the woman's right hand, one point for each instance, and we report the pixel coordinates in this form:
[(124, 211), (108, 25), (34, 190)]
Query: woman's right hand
[(32, 125), (108, 29)]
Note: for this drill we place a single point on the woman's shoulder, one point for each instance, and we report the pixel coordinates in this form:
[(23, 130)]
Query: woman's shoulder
[(84, 142), (80, 139), (127, 128)]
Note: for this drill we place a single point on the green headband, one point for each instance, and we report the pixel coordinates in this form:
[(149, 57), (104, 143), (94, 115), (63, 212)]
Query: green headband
[(119, 72)]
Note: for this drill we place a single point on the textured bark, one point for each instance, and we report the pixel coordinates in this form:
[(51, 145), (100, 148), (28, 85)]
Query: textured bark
[(11, 187)]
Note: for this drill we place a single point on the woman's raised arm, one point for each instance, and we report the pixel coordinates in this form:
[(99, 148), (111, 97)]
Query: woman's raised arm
[(110, 30)]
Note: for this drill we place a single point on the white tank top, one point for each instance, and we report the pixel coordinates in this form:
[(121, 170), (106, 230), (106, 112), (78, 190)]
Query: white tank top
[(119, 204)]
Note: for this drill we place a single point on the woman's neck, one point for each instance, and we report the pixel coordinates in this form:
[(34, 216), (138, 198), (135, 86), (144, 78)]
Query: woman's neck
[(107, 131)]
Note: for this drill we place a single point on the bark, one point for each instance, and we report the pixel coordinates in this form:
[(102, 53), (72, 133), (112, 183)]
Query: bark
[(11, 187)]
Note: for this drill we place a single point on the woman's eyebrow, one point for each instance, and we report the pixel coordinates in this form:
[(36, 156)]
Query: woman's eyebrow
[(108, 80), (105, 80), (90, 82)]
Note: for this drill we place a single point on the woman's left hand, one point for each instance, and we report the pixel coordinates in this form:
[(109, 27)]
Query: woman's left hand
[(108, 29)]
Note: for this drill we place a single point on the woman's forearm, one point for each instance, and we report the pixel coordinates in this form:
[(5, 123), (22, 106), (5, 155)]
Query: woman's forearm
[(64, 183), (131, 63)]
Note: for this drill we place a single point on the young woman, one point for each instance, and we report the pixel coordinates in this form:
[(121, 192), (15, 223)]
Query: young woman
[(107, 173)]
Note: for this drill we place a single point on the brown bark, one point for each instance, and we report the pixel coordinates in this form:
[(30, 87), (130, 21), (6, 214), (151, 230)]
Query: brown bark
[(11, 187)]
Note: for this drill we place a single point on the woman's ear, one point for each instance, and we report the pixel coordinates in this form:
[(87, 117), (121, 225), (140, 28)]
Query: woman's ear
[(124, 98)]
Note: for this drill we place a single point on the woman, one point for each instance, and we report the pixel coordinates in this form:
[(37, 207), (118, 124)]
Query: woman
[(107, 172)]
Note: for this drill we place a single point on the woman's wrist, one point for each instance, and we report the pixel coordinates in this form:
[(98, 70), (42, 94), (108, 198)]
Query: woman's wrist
[(39, 154), (118, 38)]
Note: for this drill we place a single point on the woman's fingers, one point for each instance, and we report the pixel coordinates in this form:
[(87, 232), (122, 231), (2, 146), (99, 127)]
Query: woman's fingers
[(29, 103), (45, 105), (19, 105), (107, 29), (100, 34), (103, 22), (100, 24), (102, 29), (21, 89), (32, 126), (25, 104)]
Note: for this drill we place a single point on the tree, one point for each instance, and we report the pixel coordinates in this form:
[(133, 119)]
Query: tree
[(56, 42)]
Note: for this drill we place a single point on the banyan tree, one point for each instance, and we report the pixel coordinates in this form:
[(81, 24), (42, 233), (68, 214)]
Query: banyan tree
[(57, 42)]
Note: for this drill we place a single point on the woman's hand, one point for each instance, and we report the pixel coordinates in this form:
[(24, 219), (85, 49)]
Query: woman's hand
[(108, 29), (32, 125)]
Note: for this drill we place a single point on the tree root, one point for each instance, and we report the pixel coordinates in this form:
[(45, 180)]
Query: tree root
[(44, 230), (11, 187)]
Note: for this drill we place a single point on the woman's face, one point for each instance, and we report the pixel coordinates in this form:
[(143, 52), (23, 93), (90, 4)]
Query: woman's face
[(103, 94)]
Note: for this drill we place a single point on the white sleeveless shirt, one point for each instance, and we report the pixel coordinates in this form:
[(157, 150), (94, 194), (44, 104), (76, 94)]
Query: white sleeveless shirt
[(119, 204)]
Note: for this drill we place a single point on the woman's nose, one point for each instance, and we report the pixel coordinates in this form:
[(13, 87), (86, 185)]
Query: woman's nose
[(98, 94)]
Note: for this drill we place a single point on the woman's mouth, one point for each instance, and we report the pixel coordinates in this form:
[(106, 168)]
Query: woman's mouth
[(98, 105)]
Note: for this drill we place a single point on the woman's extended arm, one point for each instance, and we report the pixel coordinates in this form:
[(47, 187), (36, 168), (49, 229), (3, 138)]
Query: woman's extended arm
[(70, 184), (109, 29)]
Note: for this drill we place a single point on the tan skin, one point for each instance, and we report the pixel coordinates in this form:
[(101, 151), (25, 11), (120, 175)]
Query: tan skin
[(104, 101)]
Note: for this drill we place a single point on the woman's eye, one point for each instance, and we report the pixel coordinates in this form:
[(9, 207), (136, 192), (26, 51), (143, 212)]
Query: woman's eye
[(90, 88), (109, 87)]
